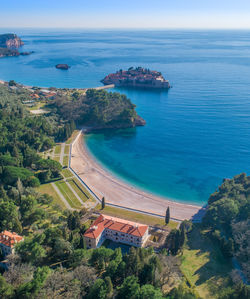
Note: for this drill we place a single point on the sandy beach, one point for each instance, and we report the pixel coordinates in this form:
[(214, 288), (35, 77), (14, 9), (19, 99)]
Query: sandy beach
[(117, 192)]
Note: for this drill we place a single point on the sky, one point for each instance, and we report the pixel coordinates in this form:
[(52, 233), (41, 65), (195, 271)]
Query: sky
[(174, 14)]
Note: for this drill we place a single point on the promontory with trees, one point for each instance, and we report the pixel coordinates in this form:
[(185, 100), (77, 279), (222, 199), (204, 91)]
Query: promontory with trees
[(52, 261), (9, 44)]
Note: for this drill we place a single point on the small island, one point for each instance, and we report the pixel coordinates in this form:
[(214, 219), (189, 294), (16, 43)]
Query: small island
[(137, 77), (62, 66)]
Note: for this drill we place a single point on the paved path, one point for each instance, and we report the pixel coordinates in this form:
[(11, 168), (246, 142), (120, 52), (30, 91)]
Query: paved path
[(62, 153), (62, 197)]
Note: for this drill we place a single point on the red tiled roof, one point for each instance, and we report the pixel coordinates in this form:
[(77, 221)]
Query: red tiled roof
[(9, 239), (112, 223)]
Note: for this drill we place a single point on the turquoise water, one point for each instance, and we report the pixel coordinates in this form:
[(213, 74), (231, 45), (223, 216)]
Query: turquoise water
[(197, 133)]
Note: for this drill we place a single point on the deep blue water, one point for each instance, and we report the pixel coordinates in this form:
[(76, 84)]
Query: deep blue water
[(197, 133)]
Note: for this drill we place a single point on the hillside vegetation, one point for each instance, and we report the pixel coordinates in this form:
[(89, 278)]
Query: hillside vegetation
[(228, 217), (52, 261), (99, 109)]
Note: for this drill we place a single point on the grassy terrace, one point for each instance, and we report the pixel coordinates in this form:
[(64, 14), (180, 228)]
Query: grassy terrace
[(58, 149), (65, 160), (137, 217), (57, 158), (68, 195), (66, 149), (48, 188), (204, 266), (80, 191), (67, 173)]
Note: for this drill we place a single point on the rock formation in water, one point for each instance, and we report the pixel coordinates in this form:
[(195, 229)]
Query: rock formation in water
[(62, 66)]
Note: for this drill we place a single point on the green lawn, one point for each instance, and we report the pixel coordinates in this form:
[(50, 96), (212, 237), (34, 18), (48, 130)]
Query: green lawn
[(58, 149), (38, 105), (57, 158), (67, 173), (137, 217), (204, 266), (48, 188), (66, 149), (68, 195), (65, 160), (79, 190)]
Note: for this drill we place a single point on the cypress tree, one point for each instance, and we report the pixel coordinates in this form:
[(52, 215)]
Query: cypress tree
[(182, 236), (167, 217), (103, 203), (82, 243)]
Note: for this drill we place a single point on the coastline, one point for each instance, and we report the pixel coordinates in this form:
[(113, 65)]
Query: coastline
[(121, 194)]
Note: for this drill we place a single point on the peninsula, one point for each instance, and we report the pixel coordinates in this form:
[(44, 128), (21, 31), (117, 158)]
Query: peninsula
[(137, 77)]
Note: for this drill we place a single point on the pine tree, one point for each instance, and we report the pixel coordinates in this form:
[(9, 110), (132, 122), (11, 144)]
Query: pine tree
[(167, 217), (103, 203)]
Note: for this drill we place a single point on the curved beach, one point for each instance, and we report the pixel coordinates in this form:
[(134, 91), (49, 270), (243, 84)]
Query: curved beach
[(117, 192)]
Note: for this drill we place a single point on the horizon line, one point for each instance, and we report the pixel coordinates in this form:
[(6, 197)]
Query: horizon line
[(128, 28)]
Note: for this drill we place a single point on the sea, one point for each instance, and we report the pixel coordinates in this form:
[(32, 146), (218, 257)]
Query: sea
[(197, 132)]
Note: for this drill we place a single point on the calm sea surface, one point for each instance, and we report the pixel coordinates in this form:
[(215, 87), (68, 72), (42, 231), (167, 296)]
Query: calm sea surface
[(197, 133)]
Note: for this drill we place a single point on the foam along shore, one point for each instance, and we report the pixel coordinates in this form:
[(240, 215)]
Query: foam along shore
[(118, 193)]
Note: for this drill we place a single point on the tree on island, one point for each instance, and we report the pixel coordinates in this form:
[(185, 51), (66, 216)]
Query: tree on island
[(167, 217), (103, 203)]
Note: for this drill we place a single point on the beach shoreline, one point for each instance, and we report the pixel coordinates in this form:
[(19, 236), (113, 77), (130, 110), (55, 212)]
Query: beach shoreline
[(119, 193)]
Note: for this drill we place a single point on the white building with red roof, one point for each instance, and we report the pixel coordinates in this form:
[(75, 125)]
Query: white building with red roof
[(8, 241), (117, 230)]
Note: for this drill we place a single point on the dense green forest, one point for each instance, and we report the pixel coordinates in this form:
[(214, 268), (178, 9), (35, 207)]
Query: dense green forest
[(99, 109), (228, 216), (53, 262)]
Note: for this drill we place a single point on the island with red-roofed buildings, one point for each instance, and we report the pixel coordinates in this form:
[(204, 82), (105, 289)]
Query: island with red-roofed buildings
[(137, 77)]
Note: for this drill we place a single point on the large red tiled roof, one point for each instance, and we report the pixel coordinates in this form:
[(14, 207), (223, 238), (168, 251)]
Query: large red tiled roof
[(9, 239), (112, 223)]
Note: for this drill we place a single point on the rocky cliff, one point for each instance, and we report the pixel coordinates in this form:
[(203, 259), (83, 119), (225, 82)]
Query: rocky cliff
[(10, 40)]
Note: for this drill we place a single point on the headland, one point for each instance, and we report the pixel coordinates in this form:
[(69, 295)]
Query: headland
[(118, 193), (9, 44)]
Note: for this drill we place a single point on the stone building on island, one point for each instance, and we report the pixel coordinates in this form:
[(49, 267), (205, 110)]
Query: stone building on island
[(117, 230)]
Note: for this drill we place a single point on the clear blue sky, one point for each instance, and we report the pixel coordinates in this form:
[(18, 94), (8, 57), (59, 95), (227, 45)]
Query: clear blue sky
[(126, 13)]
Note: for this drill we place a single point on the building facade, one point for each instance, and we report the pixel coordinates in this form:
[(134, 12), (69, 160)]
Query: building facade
[(117, 230), (8, 241)]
